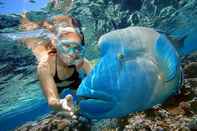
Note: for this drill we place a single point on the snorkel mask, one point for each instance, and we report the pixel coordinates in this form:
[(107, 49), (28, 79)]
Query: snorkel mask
[(67, 48), (71, 52)]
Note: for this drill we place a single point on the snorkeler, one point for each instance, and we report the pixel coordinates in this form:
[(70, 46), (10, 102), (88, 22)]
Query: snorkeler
[(60, 58)]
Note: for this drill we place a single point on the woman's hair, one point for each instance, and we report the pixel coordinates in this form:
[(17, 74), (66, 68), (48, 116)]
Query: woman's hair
[(70, 22), (77, 23)]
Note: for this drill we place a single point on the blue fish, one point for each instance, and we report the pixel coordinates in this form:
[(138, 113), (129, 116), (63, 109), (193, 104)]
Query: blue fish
[(139, 68)]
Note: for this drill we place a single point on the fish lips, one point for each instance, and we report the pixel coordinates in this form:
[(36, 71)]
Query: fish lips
[(95, 105)]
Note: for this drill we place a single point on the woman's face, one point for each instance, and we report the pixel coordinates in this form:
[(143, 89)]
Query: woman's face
[(69, 47), (70, 51)]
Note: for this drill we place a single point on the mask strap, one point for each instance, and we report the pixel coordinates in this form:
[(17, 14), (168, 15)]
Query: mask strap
[(67, 29)]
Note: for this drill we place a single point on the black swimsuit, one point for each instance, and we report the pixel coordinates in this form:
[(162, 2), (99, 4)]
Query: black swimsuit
[(74, 80)]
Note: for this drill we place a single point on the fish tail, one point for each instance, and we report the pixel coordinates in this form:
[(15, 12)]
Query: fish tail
[(187, 44)]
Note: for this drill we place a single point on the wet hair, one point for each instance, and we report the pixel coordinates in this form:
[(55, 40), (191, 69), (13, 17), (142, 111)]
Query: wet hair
[(69, 21), (77, 23)]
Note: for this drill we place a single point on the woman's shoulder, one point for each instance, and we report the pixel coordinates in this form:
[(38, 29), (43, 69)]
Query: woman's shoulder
[(46, 64)]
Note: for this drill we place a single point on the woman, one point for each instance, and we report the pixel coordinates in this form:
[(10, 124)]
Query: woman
[(60, 59)]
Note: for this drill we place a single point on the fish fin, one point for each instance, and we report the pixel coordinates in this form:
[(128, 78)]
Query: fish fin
[(189, 45), (186, 44), (177, 42)]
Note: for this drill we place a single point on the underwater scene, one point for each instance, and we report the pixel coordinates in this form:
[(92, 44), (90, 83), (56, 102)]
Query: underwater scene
[(98, 65)]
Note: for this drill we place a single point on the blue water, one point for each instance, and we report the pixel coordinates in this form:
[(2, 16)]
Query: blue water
[(9, 6), (33, 110), (30, 112), (21, 98)]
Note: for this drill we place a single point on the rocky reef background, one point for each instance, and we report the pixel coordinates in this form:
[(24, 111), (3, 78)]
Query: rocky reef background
[(174, 17)]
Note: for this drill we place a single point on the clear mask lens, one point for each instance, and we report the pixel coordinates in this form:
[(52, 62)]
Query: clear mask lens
[(67, 47)]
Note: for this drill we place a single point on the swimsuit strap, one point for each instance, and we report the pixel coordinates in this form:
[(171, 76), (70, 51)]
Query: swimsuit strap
[(56, 75), (74, 79), (74, 76)]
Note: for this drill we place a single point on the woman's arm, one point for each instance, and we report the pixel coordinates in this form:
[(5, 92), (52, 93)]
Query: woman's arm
[(47, 84)]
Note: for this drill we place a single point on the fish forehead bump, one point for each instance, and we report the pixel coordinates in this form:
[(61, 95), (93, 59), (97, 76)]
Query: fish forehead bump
[(115, 40), (128, 39)]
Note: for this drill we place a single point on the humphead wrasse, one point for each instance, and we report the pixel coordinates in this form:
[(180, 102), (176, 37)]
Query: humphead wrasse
[(138, 69)]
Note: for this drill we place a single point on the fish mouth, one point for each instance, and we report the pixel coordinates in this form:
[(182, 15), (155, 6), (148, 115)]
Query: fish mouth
[(95, 105), (81, 98), (88, 97), (95, 95)]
